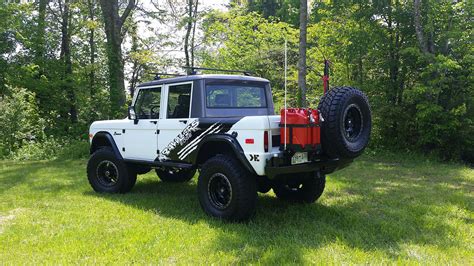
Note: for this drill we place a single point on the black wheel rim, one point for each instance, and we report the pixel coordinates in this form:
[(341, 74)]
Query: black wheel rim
[(352, 122), (220, 191), (107, 173)]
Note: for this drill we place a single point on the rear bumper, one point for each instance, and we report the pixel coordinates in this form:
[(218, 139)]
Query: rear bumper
[(278, 166)]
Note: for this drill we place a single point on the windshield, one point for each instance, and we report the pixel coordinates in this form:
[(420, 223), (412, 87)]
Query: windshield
[(235, 96)]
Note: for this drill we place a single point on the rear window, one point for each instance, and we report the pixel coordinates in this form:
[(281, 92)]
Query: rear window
[(235, 96)]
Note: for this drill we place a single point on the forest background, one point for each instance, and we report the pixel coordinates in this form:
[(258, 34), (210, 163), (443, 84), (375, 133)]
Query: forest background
[(67, 63)]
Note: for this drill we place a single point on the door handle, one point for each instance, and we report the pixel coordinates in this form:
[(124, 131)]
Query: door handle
[(154, 122), (183, 121)]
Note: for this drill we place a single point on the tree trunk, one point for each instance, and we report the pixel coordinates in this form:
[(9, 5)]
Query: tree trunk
[(135, 63), (419, 26), (113, 30), (302, 52), (40, 31), (91, 5), (189, 25), (194, 31), (65, 56)]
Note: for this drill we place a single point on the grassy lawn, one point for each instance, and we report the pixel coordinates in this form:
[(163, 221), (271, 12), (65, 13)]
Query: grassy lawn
[(378, 210)]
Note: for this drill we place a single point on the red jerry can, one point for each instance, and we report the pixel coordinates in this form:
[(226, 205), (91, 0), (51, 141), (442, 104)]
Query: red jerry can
[(315, 128), (298, 128)]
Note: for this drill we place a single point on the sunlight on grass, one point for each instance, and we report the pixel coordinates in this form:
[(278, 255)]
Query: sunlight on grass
[(378, 210)]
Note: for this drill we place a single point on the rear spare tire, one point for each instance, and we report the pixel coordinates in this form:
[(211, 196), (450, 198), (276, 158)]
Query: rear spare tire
[(346, 125)]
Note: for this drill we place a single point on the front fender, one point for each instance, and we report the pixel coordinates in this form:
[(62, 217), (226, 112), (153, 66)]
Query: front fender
[(103, 138)]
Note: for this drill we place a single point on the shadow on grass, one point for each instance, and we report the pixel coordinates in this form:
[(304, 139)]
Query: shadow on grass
[(371, 207)]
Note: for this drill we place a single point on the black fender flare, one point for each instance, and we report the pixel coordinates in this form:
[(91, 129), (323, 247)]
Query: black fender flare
[(104, 135), (227, 139)]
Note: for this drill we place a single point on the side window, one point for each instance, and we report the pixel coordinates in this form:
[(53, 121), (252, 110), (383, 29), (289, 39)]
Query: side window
[(147, 105), (179, 101)]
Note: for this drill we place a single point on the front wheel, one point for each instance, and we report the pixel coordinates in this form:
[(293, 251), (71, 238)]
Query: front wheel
[(108, 174), (307, 190), (226, 190)]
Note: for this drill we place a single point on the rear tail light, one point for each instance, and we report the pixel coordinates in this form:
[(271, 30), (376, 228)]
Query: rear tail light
[(265, 141)]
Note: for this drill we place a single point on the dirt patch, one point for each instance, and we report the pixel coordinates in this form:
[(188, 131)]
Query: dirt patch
[(6, 218)]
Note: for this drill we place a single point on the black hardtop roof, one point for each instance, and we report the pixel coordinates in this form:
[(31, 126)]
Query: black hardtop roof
[(202, 76)]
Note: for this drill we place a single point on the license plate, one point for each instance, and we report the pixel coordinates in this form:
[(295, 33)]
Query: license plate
[(299, 157)]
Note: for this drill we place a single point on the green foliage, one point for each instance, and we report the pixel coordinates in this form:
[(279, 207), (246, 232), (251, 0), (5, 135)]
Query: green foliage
[(250, 42), (45, 149), (20, 120), (420, 101), (282, 10), (51, 149)]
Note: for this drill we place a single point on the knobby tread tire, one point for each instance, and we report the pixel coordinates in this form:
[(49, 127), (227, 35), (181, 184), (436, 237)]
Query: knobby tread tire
[(244, 189), (332, 107), (127, 177)]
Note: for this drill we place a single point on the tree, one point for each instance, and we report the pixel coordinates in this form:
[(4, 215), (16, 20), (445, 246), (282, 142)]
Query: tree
[(191, 21), (302, 53), (40, 31), (418, 26), (113, 23), (91, 8), (65, 57)]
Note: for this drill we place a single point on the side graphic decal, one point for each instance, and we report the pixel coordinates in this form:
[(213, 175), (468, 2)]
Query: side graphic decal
[(184, 152), (182, 137), (185, 144)]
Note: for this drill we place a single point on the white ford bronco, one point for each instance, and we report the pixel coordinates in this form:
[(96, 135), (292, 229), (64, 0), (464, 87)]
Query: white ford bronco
[(225, 126)]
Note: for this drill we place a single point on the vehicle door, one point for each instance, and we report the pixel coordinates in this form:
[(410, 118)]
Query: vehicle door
[(141, 136), (177, 127)]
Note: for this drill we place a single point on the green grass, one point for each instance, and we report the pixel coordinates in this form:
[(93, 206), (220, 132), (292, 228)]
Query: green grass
[(378, 210)]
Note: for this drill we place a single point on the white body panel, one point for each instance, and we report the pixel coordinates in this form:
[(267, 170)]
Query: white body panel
[(253, 127)]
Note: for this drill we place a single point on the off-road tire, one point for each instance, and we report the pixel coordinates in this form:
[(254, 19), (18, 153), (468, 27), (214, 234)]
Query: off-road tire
[(175, 177), (223, 169), (103, 159), (337, 107), (308, 190)]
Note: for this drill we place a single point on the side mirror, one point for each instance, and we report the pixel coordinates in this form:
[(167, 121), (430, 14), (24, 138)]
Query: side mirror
[(132, 115)]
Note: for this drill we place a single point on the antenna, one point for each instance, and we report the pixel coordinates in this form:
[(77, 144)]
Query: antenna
[(285, 110)]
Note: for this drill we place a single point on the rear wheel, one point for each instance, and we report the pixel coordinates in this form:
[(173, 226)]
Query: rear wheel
[(175, 175), (307, 190), (108, 174), (226, 190)]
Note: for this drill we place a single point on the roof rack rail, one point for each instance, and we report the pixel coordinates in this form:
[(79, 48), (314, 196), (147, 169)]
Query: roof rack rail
[(193, 70), (159, 74)]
